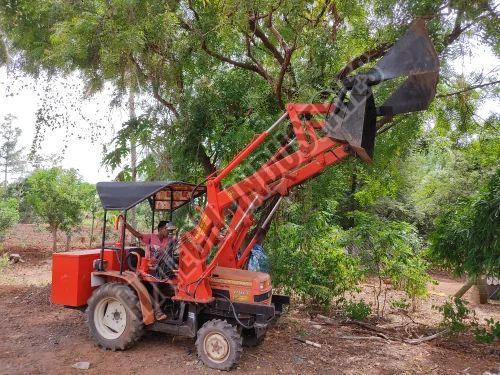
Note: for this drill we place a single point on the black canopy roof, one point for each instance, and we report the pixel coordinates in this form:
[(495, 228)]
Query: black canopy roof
[(162, 195)]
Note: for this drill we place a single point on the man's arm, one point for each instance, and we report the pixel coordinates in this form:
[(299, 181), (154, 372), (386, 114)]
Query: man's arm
[(132, 230)]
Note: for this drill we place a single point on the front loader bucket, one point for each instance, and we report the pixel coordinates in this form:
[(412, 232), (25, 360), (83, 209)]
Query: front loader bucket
[(354, 121)]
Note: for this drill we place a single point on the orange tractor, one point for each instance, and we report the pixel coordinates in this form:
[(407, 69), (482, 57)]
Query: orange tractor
[(201, 284)]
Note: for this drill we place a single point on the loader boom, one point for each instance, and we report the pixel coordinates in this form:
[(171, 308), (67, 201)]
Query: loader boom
[(228, 216)]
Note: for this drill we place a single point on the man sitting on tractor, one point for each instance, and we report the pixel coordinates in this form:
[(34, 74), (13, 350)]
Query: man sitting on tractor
[(160, 246), (157, 243)]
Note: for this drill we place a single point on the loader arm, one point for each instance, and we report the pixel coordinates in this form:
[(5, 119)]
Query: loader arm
[(228, 216), (322, 135)]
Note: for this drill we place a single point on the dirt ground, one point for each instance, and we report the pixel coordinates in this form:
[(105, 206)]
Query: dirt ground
[(38, 338)]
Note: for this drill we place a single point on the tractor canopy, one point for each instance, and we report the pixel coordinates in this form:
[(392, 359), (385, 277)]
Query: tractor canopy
[(161, 195)]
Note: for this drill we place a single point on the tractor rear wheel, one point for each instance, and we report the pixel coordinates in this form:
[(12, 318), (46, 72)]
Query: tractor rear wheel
[(114, 317), (219, 344)]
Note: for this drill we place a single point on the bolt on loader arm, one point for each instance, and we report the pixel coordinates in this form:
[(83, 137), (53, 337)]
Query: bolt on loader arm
[(322, 135)]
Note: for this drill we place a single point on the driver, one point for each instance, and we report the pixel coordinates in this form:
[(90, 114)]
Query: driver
[(158, 242)]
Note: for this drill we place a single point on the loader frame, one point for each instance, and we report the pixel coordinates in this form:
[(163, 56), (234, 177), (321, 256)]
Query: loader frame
[(228, 216)]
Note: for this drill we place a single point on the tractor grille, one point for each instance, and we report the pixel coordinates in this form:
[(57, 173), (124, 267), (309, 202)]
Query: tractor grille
[(262, 297)]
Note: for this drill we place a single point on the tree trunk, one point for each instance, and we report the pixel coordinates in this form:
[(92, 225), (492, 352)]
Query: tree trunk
[(482, 287), (54, 239), (133, 151), (204, 159), (92, 229), (5, 172), (464, 289), (68, 240)]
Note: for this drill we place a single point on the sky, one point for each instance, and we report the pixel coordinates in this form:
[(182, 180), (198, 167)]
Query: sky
[(22, 96)]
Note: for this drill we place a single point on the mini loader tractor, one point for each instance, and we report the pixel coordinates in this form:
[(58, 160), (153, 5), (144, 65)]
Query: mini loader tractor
[(202, 284)]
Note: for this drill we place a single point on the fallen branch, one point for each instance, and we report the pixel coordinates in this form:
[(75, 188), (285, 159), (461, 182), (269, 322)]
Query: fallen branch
[(426, 338), (368, 326), (312, 343), (325, 320), (380, 332), (359, 337)]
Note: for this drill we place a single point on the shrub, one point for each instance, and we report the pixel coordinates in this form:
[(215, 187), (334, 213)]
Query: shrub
[(490, 334), (311, 262), (391, 251), (456, 315), (400, 303), (356, 310), (4, 261), (9, 214)]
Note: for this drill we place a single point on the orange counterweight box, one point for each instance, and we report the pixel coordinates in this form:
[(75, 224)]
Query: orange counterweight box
[(71, 275)]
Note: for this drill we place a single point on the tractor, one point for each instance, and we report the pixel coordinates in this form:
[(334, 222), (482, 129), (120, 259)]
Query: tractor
[(201, 283)]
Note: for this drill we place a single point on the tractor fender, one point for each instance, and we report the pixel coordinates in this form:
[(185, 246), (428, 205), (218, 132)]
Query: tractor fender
[(133, 280)]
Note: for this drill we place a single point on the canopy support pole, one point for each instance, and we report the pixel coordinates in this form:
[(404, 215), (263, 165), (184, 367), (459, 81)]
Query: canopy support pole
[(171, 204), (122, 250), (153, 216), (101, 263)]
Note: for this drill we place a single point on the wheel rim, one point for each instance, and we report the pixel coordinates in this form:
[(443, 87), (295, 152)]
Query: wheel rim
[(216, 347), (110, 318)]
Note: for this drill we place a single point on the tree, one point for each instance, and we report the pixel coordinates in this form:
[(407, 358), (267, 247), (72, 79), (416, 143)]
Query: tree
[(175, 51), (467, 235), (10, 154), (9, 214), (391, 250), (56, 197)]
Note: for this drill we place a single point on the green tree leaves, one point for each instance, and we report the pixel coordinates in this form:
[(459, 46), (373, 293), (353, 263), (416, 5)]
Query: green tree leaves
[(9, 214), (467, 234), (58, 197)]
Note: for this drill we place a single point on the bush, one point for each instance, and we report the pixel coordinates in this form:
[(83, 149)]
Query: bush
[(490, 334), (401, 304), (356, 310), (391, 251), (456, 315), (310, 261), (9, 215), (466, 235), (4, 261)]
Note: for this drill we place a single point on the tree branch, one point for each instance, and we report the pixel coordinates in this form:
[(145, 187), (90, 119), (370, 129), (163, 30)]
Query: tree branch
[(362, 59), (285, 65), (166, 103), (265, 40), (470, 88), (458, 29), (154, 84), (276, 33), (239, 64), (281, 77), (263, 72)]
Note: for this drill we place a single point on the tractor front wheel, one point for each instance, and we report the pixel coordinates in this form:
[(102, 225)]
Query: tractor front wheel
[(219, 344), (114, 317)]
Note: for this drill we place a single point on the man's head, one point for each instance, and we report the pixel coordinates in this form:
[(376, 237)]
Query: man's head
[(165, 228)]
